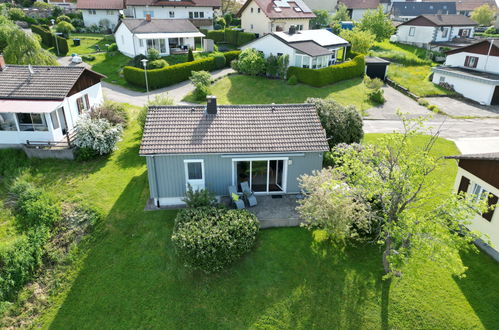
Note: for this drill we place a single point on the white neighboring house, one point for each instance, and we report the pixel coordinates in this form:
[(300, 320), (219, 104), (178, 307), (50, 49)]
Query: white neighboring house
[(200, 12), (267, 16), (136, 36), (357, 8), (478, 174), (329, 5), (430, 31), (41, 104), (472, 71), (313, 49), (70, 4), (101, 13)]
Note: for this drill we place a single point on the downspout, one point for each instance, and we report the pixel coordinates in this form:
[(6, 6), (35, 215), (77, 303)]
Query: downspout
[(156, 180), (488, 55), (133, 42)]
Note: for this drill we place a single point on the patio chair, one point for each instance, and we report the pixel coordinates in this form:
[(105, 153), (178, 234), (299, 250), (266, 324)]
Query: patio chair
[(239, 203), (248, 194)]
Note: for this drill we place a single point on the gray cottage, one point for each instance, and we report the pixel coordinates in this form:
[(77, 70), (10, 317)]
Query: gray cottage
[(213, 147)]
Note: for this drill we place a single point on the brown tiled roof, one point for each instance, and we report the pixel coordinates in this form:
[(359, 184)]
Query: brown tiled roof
[(469, 5), (200, 22), (484, 156), (45, 83), (441, 20), (288, 11), (360, 4), (100, 4), (234, 129), (310, 48), (184, 3), (158, 25)]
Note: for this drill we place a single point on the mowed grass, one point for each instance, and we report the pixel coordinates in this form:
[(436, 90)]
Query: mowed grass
[(416, 79), (111, 65), (241, 89), (131, 277), (88, 43)]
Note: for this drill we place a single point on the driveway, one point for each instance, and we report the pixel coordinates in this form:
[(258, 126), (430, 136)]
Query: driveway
[(395, 100), (458, 108)]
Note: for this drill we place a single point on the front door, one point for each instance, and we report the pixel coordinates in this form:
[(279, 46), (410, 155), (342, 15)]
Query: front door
[(194, 174)]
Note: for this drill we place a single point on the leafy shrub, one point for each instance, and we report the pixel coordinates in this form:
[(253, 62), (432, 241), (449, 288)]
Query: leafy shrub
[(491, 30), (373, 84), (112, 47), (34, 207), (423, 102), (63, 46), (434, 108), (17, 14), (162, 99), (377, 96), (251, 62), (153, 54), (202, 81), (271, 66), (230, 56), (83, 154), (331, 74), (157, 64), (42, 5), (88, 58), (46, 36), (210, 238), (343, 124), (65, 28), (219, 60), (77, 23), (199, 198), (292, 80), (331, 157), (137, 61), (190, 56), (113, 112), (96, 134), (63, 18)]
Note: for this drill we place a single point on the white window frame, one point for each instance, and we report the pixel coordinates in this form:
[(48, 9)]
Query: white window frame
[(412, 31), (267, 159), (171, 14), (478, 191), (202, 182)]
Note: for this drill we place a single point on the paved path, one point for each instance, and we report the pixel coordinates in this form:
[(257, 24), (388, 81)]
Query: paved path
[(458, 108)]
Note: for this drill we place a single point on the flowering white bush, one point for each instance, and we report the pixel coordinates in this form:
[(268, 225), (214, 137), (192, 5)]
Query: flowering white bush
[(97, 134)]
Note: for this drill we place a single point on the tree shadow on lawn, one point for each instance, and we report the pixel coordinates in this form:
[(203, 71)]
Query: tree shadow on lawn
[(481, 287), (129, 156), (132, 279)]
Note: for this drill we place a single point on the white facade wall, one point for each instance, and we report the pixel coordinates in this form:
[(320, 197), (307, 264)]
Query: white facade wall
[(480, 224), (270, 45), (423, 35), (71, 111), (125, 41), (90, 19), (164, 11), (474, 90), (490, 64)]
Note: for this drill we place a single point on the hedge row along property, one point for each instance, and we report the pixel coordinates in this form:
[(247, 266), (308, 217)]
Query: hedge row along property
[(331, 74), (174, 74), (233, 37), (48, 39)]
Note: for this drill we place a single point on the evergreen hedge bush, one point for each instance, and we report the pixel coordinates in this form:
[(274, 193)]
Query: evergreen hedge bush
[(216, 35), (331, 74), (46, 35)]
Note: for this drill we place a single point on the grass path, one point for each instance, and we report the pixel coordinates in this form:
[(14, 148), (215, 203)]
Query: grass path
[(131, 278)]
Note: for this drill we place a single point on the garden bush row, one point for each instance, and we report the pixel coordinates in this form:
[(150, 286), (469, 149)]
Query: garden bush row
[(173, 74), (48, 38), (331, 74), (233, 37)]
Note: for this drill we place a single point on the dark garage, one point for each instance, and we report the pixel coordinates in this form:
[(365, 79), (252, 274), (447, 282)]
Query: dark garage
[(376, 67)]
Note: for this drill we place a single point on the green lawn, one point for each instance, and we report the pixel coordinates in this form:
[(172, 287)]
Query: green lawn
[(240, 89), (111, 65), (88, 43), (132, 279), (416, 79), (400, 53)]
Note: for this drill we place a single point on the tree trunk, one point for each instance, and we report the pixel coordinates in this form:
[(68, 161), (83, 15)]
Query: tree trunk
[(386, 253)]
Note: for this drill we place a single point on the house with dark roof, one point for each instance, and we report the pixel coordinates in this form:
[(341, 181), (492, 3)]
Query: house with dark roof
[(404, 11), (41, 104), (101, 13), (478, 174), (267, 16), (357, 8), (472, 71), (435, 31), (167, 36), (200, 12), (216, 146), (465, 7), (313, 49)]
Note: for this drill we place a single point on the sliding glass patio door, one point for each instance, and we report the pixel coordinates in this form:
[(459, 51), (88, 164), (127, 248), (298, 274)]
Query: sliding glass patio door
[(263, 176)]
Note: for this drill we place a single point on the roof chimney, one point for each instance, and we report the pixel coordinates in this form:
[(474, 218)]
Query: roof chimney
[(2, 63), (211, 105), (148, 17), (292, 30)]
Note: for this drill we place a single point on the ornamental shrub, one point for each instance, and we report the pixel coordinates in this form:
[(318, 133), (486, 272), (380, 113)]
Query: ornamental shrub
[(219, 60), (46, 36), (292, 80), (161, 99), (97, 134), (377, 96), (157, 64), (199, 198), (202, 81), (230, 56), (190, 56), (63, 18), (211, 238), (114, 112), (331, 74), (17, 14), (153, 54), (271, 66), (251, 62), (343, 124), (63, 46), (112, 47)]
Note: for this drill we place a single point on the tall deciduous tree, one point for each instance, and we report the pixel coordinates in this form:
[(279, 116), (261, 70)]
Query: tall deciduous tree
[(25, 49), (483, 15), (378, 23), (341, 13), (386, 193), (322, 19), (360, 40)]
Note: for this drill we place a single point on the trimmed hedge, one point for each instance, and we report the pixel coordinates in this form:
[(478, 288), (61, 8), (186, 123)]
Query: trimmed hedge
[(174, 74), (245, 37), (48, 39), (63, 46), (331, 74), (233, 37), (216, 35)]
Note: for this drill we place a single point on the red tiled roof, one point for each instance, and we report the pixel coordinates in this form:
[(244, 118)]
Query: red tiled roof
[(268, 7), (185, 3), (360, 4), (100, 4)]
